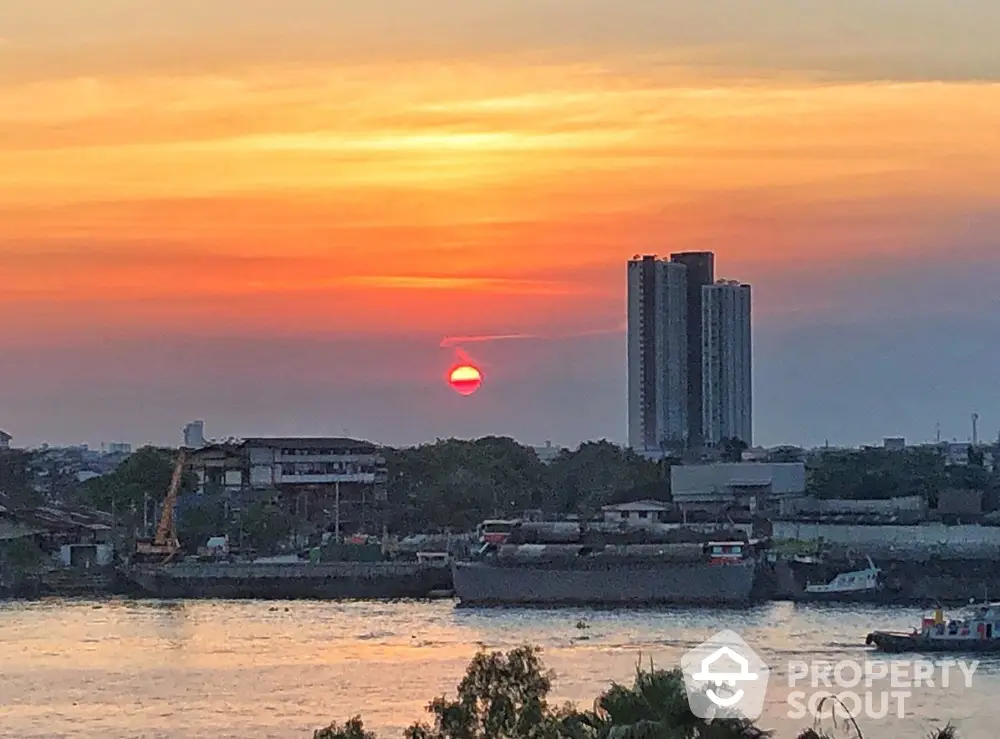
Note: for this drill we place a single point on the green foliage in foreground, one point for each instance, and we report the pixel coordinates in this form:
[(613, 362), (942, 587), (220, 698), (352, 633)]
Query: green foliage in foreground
[(505, 696)]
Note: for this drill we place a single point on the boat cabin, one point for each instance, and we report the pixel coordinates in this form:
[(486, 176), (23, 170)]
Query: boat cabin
[(495, 531), (850, 582), (726, 552), (982, 622)]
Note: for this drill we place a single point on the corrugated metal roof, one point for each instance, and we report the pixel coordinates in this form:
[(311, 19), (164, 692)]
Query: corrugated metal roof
[(641, 505), (306, 442), (10, 530)]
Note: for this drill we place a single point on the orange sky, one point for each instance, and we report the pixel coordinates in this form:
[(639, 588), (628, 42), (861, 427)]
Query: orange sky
[(433, 196), (472, 169)]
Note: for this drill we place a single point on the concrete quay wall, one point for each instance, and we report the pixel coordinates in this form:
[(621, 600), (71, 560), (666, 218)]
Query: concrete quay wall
[(912, 542)]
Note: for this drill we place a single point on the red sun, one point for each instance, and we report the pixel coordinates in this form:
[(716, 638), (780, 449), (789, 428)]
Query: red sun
[(465, 379)]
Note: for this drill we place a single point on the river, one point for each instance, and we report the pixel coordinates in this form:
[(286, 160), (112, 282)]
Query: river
[(257, 670)]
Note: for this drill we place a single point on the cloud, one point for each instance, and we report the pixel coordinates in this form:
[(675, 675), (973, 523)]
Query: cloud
[(856, 39), (479, 285), (454, 341)]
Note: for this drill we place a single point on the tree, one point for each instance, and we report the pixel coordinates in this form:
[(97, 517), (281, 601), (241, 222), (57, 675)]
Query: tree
[(656, 707), (502, 696), (16, 479), (141, 479), (876, 473), (456, 484), (594, 474), (199, 519), (353, 729), (265, 526), (732, 449), (505, 696)]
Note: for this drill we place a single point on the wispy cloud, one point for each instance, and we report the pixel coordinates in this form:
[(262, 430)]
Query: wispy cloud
[(473, 284), (453, 341), (456, 341)]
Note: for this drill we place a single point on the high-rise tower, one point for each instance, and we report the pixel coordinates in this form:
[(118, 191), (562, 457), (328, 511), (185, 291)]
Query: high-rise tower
[(700, 272), (658, 384), (727, 369)]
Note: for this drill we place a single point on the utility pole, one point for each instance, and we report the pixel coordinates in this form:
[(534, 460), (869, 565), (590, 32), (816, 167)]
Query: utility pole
[(975, 429), (336, 519)]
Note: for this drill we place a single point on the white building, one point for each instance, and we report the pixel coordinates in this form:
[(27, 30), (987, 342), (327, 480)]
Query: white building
[(194, 435), (289, 463), (727, 357), (313, 461), (641, 514), (549, 453), (657, 353), (752, 485)]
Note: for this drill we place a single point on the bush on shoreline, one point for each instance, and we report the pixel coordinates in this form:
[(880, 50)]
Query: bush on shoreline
[(505, 696)]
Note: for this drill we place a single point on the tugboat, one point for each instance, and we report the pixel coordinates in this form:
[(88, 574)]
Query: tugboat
[(979, 631)]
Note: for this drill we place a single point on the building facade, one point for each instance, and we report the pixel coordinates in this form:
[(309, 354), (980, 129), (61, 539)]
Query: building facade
[(318, 478), (657, 351), (700, 269), (727, 363), (755, 486)]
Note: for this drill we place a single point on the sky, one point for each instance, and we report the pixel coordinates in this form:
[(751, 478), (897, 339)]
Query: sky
[(289, 216)]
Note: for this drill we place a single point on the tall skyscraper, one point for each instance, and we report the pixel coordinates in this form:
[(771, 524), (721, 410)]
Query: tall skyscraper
[(657, 353), (727, 357), (700, 272)]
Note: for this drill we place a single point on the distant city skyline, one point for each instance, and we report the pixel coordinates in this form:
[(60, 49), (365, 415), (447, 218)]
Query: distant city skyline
[(269, 215)]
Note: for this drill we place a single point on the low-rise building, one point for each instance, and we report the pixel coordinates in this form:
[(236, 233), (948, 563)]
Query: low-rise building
[(640, 514), (758, 487), (5, 439), (73, 536), (319, 478)]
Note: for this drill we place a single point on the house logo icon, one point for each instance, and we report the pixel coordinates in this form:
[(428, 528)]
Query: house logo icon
[(725, 678)]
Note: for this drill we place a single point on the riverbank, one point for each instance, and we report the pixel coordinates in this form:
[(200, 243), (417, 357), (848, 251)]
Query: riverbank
[(937, 580)]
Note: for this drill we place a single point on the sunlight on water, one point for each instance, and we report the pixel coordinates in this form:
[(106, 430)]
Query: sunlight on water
[(258, 670)]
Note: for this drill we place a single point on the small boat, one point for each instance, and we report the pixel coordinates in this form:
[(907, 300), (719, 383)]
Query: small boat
[(978, 631), (858, 585)]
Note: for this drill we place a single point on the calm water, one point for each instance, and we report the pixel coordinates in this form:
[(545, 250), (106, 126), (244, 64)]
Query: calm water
[(255, 670)]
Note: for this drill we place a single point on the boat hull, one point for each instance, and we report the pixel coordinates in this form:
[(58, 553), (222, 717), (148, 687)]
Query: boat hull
[(856, 596), (323, 581), (620, 583), (892, 643)]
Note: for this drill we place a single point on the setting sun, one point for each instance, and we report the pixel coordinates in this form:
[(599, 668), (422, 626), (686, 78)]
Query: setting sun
[(465, 379)]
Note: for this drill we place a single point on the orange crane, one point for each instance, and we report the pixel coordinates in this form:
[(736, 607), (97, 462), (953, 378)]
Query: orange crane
[(165, 544)]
